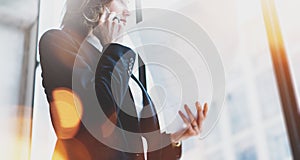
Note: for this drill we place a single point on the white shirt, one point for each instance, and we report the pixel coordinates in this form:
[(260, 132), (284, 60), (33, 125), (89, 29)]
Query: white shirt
[(136, 91)]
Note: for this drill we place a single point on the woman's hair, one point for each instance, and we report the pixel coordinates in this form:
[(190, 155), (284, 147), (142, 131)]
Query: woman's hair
[(83, 14)]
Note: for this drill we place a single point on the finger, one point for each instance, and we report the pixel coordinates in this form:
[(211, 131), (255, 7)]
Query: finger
[(205, 110), (116, 20), (120, 30), (111, 16), (104, 15), (112, 24), (114, 28), (189, 113), (184, 118), (189, 127), (194, 125), (199, 114), (121, 27)]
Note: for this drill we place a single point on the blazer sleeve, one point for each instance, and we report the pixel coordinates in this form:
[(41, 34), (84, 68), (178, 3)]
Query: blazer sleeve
[(57, 56), (175, 151), (168, 152), (112, 75)]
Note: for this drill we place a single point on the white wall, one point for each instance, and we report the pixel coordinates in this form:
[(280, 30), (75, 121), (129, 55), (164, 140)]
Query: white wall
[(17, 51)]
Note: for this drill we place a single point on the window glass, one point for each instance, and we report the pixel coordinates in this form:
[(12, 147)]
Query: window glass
[(287, 12)]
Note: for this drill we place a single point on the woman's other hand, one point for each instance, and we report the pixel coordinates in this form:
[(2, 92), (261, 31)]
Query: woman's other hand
[(193, 124), (109, 29)]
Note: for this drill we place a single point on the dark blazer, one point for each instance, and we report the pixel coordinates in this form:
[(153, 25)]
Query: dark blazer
[(100, 80)]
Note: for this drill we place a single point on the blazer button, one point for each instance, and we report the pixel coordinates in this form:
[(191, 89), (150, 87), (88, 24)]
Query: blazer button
[(131, 60), (129, 72), (138, 154)]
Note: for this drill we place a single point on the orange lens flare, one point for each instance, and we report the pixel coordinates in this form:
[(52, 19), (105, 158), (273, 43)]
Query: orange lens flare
[(66, 112), (70, 149), (272, 27)]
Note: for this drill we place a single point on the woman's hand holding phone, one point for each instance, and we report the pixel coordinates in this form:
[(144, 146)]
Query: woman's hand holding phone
[(109, 29)]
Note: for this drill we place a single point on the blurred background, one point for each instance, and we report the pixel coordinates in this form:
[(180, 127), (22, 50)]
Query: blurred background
[(252, 125)]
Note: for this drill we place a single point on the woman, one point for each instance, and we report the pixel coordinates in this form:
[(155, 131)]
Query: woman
[(74, 70)]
